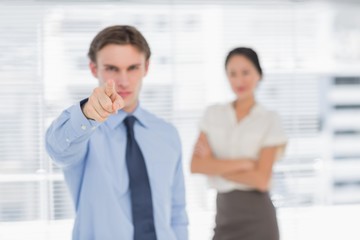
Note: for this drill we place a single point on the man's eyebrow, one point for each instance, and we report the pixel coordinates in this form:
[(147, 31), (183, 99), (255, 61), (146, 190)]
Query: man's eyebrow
[(109, 65), (134, 65)]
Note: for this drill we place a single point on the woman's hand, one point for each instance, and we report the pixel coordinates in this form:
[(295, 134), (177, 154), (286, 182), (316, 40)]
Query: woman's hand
[(203, 160)]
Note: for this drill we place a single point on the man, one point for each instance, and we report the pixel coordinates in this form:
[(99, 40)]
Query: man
[(121, 163)]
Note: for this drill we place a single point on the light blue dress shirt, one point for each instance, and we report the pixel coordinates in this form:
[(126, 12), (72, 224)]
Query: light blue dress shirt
[(92, 156)]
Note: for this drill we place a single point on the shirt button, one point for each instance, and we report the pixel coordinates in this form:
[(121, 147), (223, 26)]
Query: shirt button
[(67, 140), (83, 127), (93, 128)]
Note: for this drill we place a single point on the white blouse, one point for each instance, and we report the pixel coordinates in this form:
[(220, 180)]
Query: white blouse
[(230, 139)]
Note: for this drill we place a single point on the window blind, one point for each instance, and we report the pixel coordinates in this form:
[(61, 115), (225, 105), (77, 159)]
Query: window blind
[(44, 69)]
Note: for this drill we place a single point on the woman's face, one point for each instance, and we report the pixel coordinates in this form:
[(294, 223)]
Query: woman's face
[(243, 76)]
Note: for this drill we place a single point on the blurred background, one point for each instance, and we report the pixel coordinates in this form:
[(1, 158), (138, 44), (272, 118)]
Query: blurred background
[(310, 52)]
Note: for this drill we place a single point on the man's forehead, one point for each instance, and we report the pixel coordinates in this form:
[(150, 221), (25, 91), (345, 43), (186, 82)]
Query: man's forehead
[(126, 50), (120, 56)]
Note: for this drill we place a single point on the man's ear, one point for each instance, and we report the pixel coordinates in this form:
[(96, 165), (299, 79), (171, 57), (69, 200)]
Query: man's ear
[(147, 63), (93, 69)]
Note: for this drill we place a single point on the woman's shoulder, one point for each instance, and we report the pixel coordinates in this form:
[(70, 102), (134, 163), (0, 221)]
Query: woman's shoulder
[(217, 108), (215, 111), (261, 109), (270, 116)]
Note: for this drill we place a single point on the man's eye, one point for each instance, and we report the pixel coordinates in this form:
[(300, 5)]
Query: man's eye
[(134, 68), (245, 73)]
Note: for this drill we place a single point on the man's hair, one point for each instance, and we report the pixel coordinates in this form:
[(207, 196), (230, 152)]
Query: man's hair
[(121, 35)]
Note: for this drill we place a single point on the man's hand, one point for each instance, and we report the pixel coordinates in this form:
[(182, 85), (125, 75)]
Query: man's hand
[(103, 102)]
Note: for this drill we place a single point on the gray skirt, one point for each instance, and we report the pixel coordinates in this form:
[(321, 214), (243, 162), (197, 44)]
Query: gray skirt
[(245, 215)]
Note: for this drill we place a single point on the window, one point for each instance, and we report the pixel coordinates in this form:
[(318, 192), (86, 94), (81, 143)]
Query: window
[(311, 77)]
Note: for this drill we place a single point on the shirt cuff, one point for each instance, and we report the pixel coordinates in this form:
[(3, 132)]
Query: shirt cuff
[(276, 141), (80, 124)]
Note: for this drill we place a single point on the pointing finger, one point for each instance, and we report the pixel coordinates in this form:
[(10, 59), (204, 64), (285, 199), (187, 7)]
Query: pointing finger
[(118, 102), (110, 88)]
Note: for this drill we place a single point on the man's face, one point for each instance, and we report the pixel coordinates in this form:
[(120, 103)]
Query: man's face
[(126, 66)]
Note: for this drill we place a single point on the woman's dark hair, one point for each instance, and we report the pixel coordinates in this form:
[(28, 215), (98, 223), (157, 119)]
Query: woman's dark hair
[(248, 53)]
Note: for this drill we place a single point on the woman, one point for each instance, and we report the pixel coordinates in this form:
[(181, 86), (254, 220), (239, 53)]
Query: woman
[(238, 145)]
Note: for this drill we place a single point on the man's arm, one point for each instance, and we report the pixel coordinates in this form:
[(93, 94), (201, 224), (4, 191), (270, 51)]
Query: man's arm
[(68, 135)]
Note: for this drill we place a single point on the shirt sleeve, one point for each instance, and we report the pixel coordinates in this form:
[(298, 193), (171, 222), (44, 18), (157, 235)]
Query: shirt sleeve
[(275, 136), (67, 137)]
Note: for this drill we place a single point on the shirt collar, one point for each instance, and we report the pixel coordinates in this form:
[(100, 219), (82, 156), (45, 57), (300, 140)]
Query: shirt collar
[(255, 110), (116, 119)]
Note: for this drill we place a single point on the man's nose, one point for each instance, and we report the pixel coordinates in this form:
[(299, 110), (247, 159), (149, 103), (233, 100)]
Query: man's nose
[(122, 80)]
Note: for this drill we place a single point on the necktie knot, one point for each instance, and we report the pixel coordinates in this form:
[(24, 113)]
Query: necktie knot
[(129, 124)]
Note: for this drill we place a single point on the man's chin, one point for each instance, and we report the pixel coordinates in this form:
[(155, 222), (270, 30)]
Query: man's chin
[(130, 106)]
